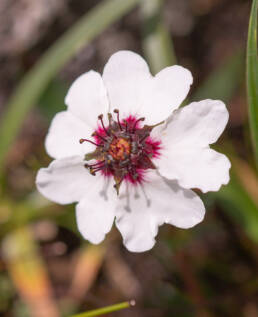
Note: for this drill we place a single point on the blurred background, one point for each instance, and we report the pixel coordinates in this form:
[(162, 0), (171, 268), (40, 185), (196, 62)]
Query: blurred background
[(46, 268)]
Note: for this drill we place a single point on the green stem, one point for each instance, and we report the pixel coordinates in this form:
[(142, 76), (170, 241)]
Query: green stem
[(35, 81), (105, 310)]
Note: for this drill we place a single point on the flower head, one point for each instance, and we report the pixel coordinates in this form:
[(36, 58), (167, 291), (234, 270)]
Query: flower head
[(124, 150)]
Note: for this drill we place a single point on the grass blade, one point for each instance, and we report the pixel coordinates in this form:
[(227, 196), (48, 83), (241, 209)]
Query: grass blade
[(106, 310), (36, 80), (252, 77)]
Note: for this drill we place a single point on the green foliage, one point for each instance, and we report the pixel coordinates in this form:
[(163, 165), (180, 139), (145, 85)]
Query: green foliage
[(252, 77)]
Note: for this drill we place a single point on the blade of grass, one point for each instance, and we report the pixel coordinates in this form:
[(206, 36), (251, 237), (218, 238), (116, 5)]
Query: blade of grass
[(252, 77), (106, 310), (157, 44), (35, 81)]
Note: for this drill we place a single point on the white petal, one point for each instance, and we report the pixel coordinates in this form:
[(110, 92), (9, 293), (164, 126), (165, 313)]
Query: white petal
[(95, 215), (200, 123), (87, 98), (125, 76), (165, 92), (66, 180), (133, 90), (64, 134), (139, 214), (197, 167)]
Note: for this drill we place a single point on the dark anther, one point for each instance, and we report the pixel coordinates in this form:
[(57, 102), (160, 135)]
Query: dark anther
[(100, 117), (118, 119)]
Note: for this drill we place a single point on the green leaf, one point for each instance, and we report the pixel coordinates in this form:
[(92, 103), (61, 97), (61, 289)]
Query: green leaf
[(252, 77), (157, 44), (106, 310), (223, 82), (35, 81)]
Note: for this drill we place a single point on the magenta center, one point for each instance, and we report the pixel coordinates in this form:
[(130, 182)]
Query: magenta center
[(124, 150)]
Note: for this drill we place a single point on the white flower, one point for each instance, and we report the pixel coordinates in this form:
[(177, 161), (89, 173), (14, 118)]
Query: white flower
[(153, 164)]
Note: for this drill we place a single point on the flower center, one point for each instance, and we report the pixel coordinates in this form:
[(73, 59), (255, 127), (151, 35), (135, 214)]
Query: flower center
[(124, 150), (120, 149)]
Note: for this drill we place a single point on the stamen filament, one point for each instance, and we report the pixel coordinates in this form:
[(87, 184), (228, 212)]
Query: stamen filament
[(118, 119), (99, 136), (94, 170), (95, 164), (102, 123), (135, 123), (144, 137), (126, 126), (86, 140)]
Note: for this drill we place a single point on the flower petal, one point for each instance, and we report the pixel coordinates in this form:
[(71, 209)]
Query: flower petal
[(95, 215), (125, 76), (185, 154), (66, 180), (87, 98), (200, 123), (165, 92), (198, 167), (133, 90), (140, 213), (64, 134)]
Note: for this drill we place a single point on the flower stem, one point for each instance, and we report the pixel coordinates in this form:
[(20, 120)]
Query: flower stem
[(107, 309)]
